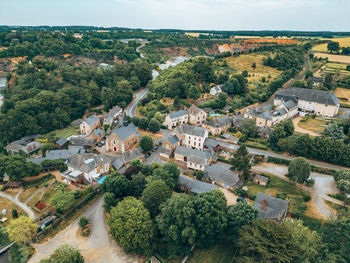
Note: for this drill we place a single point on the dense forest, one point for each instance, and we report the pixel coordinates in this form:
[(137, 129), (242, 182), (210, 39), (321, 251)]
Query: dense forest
[(47, 95)]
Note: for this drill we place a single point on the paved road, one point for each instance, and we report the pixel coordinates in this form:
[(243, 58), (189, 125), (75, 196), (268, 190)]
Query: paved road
[(97, 248), (278, 155), (131, 108), (20, 204)]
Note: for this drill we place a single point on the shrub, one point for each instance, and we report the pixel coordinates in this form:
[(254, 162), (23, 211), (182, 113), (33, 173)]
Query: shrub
[(277, 160), (83, 222), (307, 198), (240, 192), (282, 196), (310, 182)]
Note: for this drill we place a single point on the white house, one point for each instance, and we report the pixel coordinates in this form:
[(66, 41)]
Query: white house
[(216, 90), (191, 136)]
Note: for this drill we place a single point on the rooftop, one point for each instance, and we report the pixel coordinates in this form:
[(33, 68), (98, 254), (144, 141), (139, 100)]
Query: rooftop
[(219, 122), (275, 208), (125, 132), (195, 186), (193, 130), (178, 114), (92, 120), (221, 173)]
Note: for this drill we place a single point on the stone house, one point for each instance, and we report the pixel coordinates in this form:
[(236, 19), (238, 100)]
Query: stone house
[(190, 185), (171, 143), (320, 102), (271, 208), (122, 139), (192, 158), (221, 175), (196, 115), (191, 136), (260, 180), (90, 124), (218, 125), (175, 118), (112, 115), (97, 134), (27, 144), (216, 90)]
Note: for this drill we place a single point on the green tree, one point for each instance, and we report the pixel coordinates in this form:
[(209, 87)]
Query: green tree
[(333, 47), (106, 127), (239, 215), (334, 131), (154, 125), (143, 123), (249, 128), (266, 241), (4, 237), (14, 213), (135, 120), (241, 161), (146, 143), (65, 254), (328, 81), (254, 65), (156, 193), (83, 221), (159, 117), (277, 134), (299, 170), (22, 229), (169, 173), (131, 226)]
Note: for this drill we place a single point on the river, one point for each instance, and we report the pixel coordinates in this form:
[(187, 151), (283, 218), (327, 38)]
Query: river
[(2, 87)]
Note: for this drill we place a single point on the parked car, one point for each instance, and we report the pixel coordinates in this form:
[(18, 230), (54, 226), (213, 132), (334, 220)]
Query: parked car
[(147, 155), (125, 123), (241, 199), (155, 147), (102, 142), (99, 144)]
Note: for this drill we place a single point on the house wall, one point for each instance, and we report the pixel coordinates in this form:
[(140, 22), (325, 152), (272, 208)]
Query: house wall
[(195, 166), (115, 144), (87, 129), (167, 145), (199, 118), (216, 130), (170, 123), (195, 142), (259, 182)]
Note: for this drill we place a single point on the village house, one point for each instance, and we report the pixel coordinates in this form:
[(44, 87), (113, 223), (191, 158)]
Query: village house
[(320, 102), (27, 144), (193, 159), (60, 143), (122, 139), (175, 118), (211, 145), (216, 90), (89, 124), (97, 134), (190, 185), (271, 208), (191, 136), (221, 175), (260, 180), (196, 116), (168, 147), (269, 118), (112, 115), (83, 142), (128, 156), (89, 167), (218, 125)]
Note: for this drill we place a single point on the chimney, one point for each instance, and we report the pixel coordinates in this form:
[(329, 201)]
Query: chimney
[(264, 204)]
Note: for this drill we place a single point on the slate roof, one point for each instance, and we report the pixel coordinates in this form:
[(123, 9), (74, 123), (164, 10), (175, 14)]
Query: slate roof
[(230, 137), (275, 208), (189, 152), (131, 155), (195, 186), (88, 162), (210, 143), (290, 104), (219, 122), (261, 178), (178, 114), (193, 130), (117, 164), (76, 122), (61, 141), (221, 173), (194, 110), (97, 132), (173, 140), (79, 141), (125, 132), (59, 154), (77, 149), (164, 150), (92, 120), (114, 111), (311, 95)]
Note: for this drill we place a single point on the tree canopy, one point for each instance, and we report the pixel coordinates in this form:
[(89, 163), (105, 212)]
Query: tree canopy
[(22, 229), (65, 254), (299, 170)]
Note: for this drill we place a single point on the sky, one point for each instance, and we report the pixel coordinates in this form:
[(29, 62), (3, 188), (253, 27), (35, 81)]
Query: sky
[(306, 15)]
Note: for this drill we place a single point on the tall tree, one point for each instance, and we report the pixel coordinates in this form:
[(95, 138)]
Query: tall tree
[(131, 226), (299, 170), (241, 161), (334, 131), (146, 143), (22, 229), (249, 128), (143, 123), (154, 125), (333, 46), (156, 193), (65, 254)]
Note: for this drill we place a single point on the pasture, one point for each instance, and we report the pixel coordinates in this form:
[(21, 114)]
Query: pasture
[(343, 94), (245, 62), (343, 42)]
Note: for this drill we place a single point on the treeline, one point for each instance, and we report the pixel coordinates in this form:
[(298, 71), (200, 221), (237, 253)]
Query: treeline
[(168, 224), (34, 43), (45, 95)]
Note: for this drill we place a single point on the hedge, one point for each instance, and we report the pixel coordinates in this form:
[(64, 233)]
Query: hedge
[(28, 184), (277, 160)]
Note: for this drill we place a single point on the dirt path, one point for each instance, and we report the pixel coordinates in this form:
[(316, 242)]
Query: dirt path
[(20, 204), (97, 248), (301, 130), (41, 190), (324, 184)]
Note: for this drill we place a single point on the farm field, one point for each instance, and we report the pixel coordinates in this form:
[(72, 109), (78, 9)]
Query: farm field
[(244, 62), (343, 42), (333, 68), (343, 94), (334, 58)]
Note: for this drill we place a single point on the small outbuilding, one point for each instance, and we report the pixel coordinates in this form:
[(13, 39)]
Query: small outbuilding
[(260, 180)]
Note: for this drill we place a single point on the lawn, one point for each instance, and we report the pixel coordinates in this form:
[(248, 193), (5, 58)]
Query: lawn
[(244, 62), (66, 132), (219, 253), (314, 125), (9, 205), (277, 185), (26, 193)]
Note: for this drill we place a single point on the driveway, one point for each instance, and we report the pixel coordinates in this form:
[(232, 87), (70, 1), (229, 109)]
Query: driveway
[(26, 209), (97, 248), (324, 184)]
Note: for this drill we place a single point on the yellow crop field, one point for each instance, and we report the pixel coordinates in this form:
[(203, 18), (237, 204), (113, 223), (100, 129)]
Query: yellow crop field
[(342, 94), (334, 58), (245, 62), (343, 42)]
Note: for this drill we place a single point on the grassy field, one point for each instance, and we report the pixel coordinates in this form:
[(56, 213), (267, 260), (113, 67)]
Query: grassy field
[(26, 193), (244, 62), (9, 205), (219, 253), (342, 94), (334, 58), (66, 132), (277, 185), (314, 125), (343, 42)]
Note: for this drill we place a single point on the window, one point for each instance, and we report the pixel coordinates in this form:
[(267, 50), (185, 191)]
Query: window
[(199, 145), (114, 142), (194, 144)]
